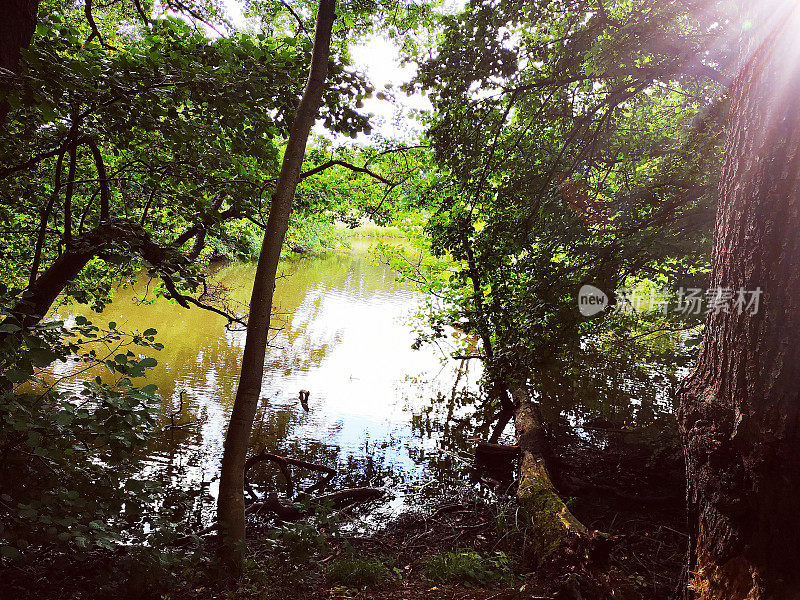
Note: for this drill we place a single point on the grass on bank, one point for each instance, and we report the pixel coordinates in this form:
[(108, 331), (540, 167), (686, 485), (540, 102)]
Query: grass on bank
[(467, 567), (371, 230), (354, 571)]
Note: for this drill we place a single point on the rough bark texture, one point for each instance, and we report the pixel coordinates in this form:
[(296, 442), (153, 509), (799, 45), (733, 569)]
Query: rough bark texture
[(230, 504), (739, 415), (17, 24), (550, 523)]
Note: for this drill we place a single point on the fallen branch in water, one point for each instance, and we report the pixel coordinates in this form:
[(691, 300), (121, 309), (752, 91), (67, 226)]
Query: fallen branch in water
[(283, 463), (288, 511), (285, 510), (350, 496), (491, 454), (495, 463), (177, 413), (551, 522)]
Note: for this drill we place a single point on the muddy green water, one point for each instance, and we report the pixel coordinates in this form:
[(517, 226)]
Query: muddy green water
[(381, 413), (377, 407)]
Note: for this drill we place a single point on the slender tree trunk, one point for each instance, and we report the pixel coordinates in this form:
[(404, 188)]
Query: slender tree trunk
[(70, 188), (46, 210), (102, 179), (498, 388), (740, 409), (17, 24), (230, 505)]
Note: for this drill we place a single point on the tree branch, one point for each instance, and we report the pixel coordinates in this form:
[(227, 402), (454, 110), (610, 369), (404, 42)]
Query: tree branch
[(297, 18), (102, 178), (347, 165), (186, 301), (87, 10)]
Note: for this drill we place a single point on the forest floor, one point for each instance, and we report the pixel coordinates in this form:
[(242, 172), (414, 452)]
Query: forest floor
[(458, 548)]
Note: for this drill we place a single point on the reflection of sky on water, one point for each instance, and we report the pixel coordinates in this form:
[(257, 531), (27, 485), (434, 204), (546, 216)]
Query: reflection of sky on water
[(380, 412), (345, 336)]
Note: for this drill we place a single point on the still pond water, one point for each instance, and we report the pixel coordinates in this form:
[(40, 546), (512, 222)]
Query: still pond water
[(378, 408), (381, 413)]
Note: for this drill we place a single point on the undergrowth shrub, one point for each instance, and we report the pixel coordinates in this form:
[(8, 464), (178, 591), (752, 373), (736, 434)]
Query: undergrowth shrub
[(467, 566), (69, 467), (354, 571)]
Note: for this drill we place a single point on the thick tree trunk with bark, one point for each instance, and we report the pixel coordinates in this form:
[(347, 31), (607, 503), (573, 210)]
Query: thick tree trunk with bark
[(230, 504), (740, 410), (17, 24)]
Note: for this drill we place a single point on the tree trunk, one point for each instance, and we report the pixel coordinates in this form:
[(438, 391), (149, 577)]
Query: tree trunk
[(549, 522), (17, 24), (740, 408), (230, 505), (37, 299)]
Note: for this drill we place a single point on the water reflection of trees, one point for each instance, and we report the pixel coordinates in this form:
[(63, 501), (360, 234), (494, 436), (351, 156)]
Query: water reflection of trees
[(445, 431), (591, 387), (618, 387), (599, 387), (595, 385), (200, 357), (373, 466)]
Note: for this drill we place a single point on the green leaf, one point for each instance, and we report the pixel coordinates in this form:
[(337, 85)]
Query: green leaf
[(34, 438), (81, 542), (148, 362), (41, 357), (63, 418), (16, 375)]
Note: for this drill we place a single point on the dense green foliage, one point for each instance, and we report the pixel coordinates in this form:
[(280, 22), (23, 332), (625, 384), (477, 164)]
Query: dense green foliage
[(157, 124), (467, 567), (573, 146), (135, 142), (356, 571), (68, 473), (570, 142)]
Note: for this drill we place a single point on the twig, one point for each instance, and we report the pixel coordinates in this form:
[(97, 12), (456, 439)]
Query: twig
[(283, 462), (177, 413)]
